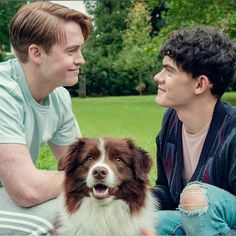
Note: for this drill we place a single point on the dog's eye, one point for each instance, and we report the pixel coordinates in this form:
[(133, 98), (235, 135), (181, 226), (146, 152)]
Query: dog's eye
[(118, 159), (89, 158)]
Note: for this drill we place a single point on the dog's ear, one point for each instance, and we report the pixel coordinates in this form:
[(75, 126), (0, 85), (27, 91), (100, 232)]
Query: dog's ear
[(70, 161), (142, 161)]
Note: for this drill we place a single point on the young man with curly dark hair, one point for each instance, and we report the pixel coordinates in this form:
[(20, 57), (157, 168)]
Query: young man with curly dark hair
[(196, 146)]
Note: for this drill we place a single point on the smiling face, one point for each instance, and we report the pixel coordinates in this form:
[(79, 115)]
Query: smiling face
[(60, 67), (108, 170), (105, 169), (175, 86)]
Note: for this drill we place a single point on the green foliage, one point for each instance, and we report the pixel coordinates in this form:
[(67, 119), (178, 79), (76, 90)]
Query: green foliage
[(117, 52), (183, 13), (46, 159), (116, 60), (134, 57), (7, 11), (229, 22), (157, 10), (103, 45)]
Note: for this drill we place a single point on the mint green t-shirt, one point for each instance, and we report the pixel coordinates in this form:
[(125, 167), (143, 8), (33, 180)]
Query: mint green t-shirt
[(23, 120)]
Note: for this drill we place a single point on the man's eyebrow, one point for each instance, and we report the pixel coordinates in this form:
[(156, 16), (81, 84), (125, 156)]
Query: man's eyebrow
[(72, 47), (170, 67)]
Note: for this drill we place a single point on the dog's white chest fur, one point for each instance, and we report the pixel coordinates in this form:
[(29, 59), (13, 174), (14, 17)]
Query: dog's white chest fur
[(111, 219)]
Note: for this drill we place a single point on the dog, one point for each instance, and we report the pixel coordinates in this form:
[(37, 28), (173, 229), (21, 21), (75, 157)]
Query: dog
[(105, 189)]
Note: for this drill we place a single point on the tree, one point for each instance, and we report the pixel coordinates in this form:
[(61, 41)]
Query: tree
[(103, 45), (7, 11), (134, 56), (218, 13), (117, 63)]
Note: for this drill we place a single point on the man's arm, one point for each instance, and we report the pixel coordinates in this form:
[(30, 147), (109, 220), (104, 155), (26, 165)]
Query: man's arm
[(26, 185), (58, 151)]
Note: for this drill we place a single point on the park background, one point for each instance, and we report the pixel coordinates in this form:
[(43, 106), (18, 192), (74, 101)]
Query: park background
[(115, 93)]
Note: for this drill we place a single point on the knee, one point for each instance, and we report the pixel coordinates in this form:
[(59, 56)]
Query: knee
[(193, 198)]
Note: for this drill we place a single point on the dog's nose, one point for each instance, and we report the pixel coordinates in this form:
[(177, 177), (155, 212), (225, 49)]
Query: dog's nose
[(100, 172)]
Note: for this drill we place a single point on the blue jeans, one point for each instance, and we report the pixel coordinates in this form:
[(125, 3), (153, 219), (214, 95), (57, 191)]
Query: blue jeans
[(216, 217)]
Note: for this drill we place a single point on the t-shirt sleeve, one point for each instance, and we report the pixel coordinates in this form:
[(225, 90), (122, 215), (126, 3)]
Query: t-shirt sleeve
[(11, 118), (68, 129)]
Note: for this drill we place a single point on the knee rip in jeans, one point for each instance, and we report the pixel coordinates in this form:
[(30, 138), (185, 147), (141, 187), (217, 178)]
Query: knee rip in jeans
[(193, 199)]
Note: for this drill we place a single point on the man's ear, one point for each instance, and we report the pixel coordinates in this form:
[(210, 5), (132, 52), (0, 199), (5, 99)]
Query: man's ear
[(35, 53), (202, 84)]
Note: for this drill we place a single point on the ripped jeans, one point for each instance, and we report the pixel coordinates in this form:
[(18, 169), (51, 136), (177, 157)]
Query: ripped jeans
[(204, 210)]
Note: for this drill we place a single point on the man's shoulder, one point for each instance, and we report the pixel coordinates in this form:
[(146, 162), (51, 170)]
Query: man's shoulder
[(223, 121), (225, 106), (60, 98), (8, 79), (226, 110), (60, 93), (7, 68)]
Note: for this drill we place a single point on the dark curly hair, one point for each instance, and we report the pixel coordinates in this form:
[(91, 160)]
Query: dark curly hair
[(203, 51)]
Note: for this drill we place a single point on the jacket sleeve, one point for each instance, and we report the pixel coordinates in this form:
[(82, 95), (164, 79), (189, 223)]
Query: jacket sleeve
[(229, 152), (161, 189), (224, 167)]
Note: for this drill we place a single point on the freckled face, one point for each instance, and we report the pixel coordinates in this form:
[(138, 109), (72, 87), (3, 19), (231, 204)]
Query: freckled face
[(175, 86)]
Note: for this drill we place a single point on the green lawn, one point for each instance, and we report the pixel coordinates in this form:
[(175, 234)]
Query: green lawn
[(136, 117)]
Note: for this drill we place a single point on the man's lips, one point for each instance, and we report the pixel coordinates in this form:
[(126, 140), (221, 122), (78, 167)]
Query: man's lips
[(161, 89), (76, 69)]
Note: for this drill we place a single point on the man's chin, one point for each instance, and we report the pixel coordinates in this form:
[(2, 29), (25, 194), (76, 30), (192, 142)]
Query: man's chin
[(71, 82), (162, 103), (159, 101)]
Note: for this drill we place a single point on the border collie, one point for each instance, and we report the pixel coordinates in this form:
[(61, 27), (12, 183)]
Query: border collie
[(105, 190)]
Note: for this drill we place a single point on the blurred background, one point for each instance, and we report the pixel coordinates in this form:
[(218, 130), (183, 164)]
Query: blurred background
[(122, 51)]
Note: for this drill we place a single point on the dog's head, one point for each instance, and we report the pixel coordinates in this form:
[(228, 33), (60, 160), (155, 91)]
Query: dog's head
[(105, 169)]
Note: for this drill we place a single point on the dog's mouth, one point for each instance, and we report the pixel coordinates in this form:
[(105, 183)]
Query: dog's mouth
[(101, 191)]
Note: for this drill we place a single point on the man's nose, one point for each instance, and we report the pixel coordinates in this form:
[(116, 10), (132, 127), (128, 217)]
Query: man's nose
[(159, 77), (79, 59)]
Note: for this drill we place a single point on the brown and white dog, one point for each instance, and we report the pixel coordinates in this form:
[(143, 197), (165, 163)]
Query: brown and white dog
[(105, 189)]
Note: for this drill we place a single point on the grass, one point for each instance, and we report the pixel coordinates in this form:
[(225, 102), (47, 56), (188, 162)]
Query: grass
[(137, 117)]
